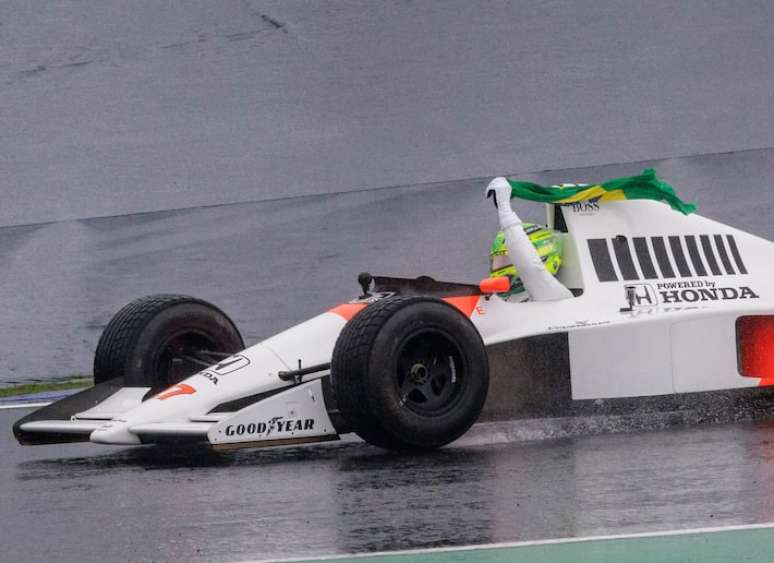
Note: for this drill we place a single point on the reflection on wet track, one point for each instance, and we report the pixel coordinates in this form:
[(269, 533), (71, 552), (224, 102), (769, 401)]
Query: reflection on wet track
[(85, 502)]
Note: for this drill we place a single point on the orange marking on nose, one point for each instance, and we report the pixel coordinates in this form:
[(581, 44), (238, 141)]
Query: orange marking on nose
[(179, 389), (466, 303), (348, 310)]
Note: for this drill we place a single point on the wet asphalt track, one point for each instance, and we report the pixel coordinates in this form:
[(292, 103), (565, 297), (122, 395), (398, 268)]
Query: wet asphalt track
[(91, 503)]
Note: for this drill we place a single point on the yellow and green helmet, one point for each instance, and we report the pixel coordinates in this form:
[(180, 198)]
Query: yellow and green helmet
[(547, 242)]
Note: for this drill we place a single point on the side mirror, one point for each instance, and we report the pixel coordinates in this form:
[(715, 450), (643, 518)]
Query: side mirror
[(499, 284)]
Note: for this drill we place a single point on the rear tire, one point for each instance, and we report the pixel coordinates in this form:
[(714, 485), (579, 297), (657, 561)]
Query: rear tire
[(410, 373), (159, 340)]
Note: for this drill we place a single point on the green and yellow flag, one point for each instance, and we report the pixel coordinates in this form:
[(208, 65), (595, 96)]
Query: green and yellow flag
[(644, 186)]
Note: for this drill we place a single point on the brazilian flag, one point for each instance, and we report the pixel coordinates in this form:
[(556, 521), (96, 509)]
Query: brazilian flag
[(644, 186)]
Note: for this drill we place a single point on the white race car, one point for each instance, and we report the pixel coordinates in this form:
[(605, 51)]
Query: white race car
[(662, 303)]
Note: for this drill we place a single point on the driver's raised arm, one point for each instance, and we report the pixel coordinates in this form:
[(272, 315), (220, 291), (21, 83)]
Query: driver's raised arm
[(539, 283)]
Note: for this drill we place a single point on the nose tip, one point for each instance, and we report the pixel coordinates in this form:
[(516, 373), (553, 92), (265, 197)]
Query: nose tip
[(114, 433)]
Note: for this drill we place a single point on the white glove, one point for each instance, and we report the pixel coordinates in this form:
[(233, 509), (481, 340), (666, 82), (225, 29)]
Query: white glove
[(500, 189)]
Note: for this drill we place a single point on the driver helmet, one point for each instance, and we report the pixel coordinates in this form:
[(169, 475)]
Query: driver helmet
[(546, 241)]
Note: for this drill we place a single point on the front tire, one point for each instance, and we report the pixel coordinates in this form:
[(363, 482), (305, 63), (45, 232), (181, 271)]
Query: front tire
[(159, 340), (410, 373)]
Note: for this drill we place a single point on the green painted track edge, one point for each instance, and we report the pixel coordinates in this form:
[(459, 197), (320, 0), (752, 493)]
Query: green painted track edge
[(738, 544)]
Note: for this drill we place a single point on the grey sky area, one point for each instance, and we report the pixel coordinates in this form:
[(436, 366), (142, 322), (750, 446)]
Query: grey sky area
[(114, 107)]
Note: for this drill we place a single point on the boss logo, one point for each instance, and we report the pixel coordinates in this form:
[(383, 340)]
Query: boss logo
[(587, 206)]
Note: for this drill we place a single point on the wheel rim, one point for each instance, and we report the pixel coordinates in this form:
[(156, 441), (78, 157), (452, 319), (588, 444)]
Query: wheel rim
[(430, 372), (186, 353)]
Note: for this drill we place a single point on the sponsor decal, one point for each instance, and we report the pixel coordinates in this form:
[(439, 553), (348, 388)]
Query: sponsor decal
[(230, 365), (648, 311), (700, 291), (586, 207), (211, 376), (579, 324), (276, 425), (643, 295), (179, 389)]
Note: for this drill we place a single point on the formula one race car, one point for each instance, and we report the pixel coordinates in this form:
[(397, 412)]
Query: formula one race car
[(662, 303)]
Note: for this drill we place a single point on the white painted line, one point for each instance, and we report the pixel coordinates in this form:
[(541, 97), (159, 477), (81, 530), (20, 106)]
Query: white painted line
[(532, 543), (23, 406)]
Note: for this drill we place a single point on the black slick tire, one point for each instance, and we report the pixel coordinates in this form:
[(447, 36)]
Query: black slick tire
[(410, 373), (158, 340)]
